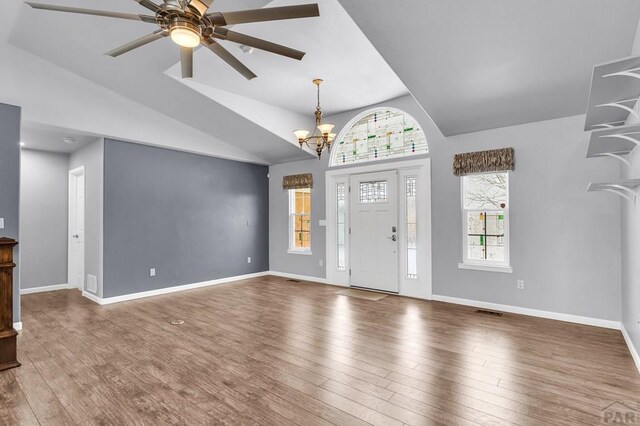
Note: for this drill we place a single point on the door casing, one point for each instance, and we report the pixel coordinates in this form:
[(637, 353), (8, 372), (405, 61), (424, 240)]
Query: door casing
[(420, 168), (76, 246)]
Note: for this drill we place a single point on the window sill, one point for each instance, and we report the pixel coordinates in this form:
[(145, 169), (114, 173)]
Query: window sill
[(306, 253), (486, 268)]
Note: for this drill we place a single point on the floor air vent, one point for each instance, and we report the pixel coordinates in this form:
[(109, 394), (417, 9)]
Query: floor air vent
[(495, 314), (294, 281)]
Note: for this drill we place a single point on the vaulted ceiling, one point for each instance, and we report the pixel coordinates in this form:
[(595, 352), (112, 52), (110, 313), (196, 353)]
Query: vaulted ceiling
[(472, 65), (477, 65)]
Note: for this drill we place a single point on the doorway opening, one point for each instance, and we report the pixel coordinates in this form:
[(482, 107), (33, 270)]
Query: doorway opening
[(379, 227), (76, 227)]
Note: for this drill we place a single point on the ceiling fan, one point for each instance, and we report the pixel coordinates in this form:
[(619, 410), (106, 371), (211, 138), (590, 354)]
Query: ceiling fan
[(189, 24)]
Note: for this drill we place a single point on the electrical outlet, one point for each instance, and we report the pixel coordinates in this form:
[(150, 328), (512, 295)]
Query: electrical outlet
[(520, 284), (321, 263), (152, 272), (249, 259)]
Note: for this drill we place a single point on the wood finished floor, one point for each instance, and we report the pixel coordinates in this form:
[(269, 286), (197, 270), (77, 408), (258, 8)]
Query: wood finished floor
[(271, 352)]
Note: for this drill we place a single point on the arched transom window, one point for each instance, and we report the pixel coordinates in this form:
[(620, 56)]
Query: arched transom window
[(377, 135)]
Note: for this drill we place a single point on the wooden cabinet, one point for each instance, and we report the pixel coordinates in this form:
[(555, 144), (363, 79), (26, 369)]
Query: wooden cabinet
[(8, 334)]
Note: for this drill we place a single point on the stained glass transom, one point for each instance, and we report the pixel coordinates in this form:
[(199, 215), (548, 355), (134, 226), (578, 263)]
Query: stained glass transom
[(380, 135)]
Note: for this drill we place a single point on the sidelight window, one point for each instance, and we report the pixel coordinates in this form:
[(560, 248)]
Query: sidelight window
[(341, 228), (411, 194)]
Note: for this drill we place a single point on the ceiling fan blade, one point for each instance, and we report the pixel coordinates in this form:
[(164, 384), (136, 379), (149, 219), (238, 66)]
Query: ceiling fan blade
[(149, 5), (229, 58), (265, 14), (186, 62), (156, 35), (258, 43), (131, 16), (201, 5)]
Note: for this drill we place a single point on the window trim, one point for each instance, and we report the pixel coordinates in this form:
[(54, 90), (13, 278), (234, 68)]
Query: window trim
[(292, 247), (485, 265), (413, 174)]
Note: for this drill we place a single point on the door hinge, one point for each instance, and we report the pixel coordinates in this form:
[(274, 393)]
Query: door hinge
[(349, 230), (349, 188), (349, 271)]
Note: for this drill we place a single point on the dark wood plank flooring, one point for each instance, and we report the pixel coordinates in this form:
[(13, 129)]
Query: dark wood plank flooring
[(268, 351)]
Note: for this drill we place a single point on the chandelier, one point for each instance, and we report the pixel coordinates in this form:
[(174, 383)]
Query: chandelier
[(322, 140)]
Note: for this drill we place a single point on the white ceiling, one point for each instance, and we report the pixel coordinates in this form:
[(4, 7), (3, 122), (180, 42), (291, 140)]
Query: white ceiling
[(48, 138), (354, 74), (78, 42), (476, 65), (472, 65)]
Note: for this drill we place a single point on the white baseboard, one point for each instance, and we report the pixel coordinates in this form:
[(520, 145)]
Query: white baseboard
[(303, 278), (134, 296), (17, 326), (632, 348), (92, 297), (45, 288), (596, 322)]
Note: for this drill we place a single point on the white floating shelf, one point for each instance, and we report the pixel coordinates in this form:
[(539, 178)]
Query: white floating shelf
[(623, 188), (614, 142), (615, 88)]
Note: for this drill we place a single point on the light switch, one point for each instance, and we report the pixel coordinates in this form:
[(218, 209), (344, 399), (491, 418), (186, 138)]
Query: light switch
[(1, 222)]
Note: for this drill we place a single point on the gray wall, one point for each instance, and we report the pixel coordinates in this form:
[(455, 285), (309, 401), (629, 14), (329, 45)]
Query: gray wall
[(183, 214), (565, 242), (631, 260), (279, 259), (44, 195), (92, 158), (10, 188), (631, 243)]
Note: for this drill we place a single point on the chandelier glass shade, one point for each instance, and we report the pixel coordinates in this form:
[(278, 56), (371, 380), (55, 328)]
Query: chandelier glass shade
[(321, 135)]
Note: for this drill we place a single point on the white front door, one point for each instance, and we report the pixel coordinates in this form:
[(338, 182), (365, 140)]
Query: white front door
[(374, 231), (76, 227)]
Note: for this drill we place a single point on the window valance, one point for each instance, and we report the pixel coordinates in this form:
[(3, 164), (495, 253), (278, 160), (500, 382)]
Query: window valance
[(300, 181), (495, 160)]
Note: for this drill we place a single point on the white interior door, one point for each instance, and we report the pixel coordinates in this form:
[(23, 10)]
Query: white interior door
[(374, 231), (76, 227)]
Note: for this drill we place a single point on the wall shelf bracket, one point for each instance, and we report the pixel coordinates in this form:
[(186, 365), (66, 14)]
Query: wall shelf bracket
[(625, 188), (616, 156), (610, 82), (610, 125), (625, 136), (623, 104), (614, 142), (634, 73)]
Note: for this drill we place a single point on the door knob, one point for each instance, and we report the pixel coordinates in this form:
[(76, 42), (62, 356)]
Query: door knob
[(76, 236), (393, 238)]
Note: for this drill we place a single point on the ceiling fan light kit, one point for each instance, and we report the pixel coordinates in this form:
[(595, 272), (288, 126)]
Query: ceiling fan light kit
[(185, 34), (189, 24)]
